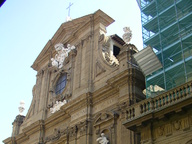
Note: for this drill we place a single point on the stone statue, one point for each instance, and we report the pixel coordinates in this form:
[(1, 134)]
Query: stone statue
[(21, 107), (127, 35), (102, 139), (62, 53), (70, 47), (57, 106)]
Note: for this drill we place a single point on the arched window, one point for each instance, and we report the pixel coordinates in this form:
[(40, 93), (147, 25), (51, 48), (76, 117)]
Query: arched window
[(61, 83)]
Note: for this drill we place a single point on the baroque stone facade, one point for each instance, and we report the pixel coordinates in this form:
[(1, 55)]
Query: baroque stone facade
[(86, 96), (93, 94)]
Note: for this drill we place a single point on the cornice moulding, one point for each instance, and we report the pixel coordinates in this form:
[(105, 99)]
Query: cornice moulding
[(56, 118), (34, 127)]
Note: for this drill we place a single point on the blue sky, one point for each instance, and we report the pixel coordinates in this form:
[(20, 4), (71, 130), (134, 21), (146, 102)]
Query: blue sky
[(25, 28)]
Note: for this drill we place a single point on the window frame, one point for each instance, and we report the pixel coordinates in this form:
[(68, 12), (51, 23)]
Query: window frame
[(61, 84)]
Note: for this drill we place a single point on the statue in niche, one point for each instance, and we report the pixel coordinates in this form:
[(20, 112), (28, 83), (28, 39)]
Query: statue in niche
[(127, 35), (102, 139), (62, 53)]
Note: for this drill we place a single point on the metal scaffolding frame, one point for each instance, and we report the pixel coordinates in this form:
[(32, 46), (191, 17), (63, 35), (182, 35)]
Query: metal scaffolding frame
[(167, 28)]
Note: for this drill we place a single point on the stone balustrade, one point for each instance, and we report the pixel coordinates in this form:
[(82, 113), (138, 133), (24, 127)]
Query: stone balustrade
[(162, 101)]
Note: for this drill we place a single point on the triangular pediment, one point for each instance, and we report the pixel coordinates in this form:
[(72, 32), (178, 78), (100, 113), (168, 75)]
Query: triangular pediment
[(62, 34), (103, 117), (67, 33)]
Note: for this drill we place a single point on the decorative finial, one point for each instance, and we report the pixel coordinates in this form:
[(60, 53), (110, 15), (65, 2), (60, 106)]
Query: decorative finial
[(127, 35), (21, 107)]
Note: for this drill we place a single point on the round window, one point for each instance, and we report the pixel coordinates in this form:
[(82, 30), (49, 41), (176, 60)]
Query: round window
[(61, 83)]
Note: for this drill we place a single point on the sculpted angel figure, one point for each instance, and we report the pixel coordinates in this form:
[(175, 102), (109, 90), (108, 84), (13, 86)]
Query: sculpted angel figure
[(70, 47), (62, 53), (102, 139), (57, 106)]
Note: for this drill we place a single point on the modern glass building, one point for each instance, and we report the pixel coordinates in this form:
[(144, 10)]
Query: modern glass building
[(167, 28)]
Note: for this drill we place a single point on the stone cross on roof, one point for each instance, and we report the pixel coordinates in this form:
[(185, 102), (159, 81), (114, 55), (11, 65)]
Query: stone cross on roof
[(70, 4)]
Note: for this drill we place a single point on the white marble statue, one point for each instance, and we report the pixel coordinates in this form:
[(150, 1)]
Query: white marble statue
[(127, 35), (62, 53), (57, 106), (21, 107), (70, 47), (102, 139)]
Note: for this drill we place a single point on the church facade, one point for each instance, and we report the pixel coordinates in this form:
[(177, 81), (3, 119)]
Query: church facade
[(85, 83), (89, 90)]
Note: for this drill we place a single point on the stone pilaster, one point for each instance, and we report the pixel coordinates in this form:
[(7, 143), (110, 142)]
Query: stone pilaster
[(135, 80)]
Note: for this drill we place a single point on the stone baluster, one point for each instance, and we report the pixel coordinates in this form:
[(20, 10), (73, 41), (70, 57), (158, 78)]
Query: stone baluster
[(178, 94), (185, 91), (174, 95), (166, 98), (182, 92), (171, 96), (127, 115), (163, 100), (133, 112), (141, 109), (151, 105), (190, 87), (144, 106), (147, 106), (155, 104), (159, 102)]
